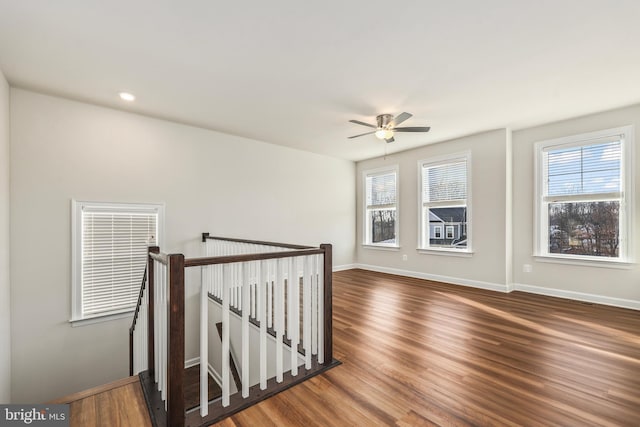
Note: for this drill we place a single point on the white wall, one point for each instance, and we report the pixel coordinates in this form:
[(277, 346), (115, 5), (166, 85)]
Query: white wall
[(210, 181), (5, 298), (486, 267), (606, 285)]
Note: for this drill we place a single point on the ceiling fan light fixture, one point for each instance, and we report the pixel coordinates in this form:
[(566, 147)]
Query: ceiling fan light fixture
[(384, 133)]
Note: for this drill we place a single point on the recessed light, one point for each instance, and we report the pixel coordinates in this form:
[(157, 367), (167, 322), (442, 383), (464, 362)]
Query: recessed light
[(127, 97)]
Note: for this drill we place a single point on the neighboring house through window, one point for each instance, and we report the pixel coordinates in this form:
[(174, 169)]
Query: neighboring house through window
[(445, 203), (109, 245), (381, 207), (584, 196)]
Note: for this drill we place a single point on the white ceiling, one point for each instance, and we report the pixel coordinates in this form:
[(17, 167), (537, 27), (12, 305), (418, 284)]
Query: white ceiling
[(294, 72)]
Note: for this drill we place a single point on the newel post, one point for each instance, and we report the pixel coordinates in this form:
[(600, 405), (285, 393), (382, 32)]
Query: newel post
[(150, 312), (175, 340), (328, 304)]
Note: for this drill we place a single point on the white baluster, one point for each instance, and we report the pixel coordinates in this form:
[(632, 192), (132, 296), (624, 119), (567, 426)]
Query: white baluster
[(263, 277), (225, 334), (279, 320), (294, 314), (306, 310), (321, 308), (270, 275), (245, 331), (314, 305), (204, 351)]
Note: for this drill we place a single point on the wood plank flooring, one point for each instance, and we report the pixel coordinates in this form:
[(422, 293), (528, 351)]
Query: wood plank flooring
[(117, 404), (420, 353)]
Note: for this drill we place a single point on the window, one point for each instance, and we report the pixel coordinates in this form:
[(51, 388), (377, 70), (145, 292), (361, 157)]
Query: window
[(584, 196), (109, 255), (381, 211), (445, 203), (449, 232)]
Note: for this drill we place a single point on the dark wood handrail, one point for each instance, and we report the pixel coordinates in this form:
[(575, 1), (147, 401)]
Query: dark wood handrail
[(206, 236), (140, 295), (198, 262)]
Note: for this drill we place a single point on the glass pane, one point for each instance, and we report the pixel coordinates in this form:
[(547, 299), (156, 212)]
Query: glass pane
[(447, 227), (585, 228), (589, 169), (381, 189), (383, 226)]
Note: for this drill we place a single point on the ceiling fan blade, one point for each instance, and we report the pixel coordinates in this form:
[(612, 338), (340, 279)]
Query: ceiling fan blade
[(412, 129), (401, 118), (390, 140), (362, 134), (358, 122)]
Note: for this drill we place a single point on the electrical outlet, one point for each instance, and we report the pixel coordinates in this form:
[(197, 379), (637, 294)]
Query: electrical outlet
[(404, 257), (527, 268)]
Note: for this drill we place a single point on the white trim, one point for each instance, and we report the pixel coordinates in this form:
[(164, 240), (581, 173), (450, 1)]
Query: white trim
[(196, 361), (436, 278), (365, 229), (343, 267), (190, 363), (446, 252), (99, 319), (381, 247), (538, 290), (586, 261), (578, 296)]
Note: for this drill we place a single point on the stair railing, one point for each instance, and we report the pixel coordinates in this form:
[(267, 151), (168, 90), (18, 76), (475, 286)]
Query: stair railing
[(284, 289)]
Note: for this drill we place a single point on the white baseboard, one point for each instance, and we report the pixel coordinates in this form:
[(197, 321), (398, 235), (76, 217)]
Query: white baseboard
[(189, 363), (578, 296), (435, 277), (196, 361), (344, 267), (540, 290)]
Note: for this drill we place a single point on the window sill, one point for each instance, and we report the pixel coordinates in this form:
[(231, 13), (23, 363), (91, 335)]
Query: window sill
[(99, 319), (446, 252), (600, 263), (381, 247)]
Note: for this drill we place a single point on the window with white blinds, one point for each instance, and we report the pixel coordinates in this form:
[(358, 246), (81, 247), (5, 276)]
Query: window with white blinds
[(381, 207), (110, 254), (583, 210), (445, 204)]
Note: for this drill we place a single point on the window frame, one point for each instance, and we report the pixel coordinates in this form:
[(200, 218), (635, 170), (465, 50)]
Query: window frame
[(423, 235), (627, 190), (366, 237), (77, 317)]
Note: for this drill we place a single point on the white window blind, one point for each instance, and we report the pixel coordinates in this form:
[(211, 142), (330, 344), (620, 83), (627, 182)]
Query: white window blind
[(444, 182), (111, 256), (381, 189), (588, 169)]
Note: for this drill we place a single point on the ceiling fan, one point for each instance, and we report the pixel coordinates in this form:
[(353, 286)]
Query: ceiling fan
[(387, 126)]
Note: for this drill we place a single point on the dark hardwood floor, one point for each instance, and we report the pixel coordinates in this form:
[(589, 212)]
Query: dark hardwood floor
[(420, 353)]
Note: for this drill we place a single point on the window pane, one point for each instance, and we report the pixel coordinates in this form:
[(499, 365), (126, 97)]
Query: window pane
[(444, 182), (585, 228), (590, 169), (381, 189), (383, 226), (454, 221)]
